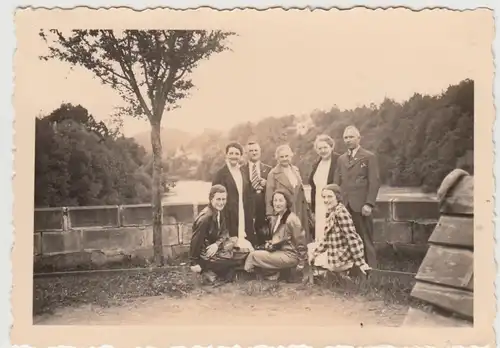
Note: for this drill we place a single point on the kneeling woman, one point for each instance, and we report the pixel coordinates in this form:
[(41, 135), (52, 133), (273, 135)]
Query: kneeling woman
[(287, 246), (343, 246), (212, 250)]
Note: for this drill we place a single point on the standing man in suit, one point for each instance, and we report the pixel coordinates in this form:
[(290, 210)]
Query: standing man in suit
[(257, 178), (357, 174)]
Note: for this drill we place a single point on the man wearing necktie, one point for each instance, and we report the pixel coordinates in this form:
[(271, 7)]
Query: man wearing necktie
[(257, 174), (357, 174)]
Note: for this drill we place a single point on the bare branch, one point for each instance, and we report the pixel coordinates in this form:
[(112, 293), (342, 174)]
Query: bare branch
[(126, 66), (165, 58)]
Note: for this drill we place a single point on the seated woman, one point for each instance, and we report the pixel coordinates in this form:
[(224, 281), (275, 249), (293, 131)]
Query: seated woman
[(212, 250), (343, 246), (287, 245)]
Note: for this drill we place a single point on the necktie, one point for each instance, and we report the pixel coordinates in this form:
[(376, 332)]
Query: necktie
[(255, 178)]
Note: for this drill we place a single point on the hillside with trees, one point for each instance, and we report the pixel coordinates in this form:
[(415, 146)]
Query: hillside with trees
[(79, 161), (418, 141)]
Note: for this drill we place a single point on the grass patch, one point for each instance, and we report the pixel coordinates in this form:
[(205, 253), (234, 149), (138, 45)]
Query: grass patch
[(108, 289), (112, 289)]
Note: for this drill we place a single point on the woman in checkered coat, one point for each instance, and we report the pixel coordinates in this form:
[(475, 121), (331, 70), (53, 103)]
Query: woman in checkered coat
[(343, 246)]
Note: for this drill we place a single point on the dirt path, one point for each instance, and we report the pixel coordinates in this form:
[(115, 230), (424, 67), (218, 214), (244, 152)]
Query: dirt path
[(233, 307)]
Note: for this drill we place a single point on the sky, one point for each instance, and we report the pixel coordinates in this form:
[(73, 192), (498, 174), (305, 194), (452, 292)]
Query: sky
[(290, 67)]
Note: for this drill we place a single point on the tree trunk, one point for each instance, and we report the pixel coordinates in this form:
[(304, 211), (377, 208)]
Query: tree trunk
[(156, 192)]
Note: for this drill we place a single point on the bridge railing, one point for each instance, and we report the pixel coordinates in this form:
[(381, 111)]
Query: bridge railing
[(69, 237)]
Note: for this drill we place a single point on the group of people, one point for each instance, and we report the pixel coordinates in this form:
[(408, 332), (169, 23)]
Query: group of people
[(258, 217)]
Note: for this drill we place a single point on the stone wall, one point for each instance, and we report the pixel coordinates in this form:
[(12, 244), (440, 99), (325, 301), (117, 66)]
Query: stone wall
[(97, 236)]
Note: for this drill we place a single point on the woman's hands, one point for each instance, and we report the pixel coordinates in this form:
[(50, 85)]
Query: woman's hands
[(365, 268), (212, 249), (269, 246)]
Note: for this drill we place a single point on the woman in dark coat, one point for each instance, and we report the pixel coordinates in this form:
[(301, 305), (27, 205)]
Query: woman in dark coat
[(212, 250), (239, 221)]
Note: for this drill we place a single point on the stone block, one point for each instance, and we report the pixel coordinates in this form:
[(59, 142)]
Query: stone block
[(48, 219), (105, 216), (136, 215), (422, 231), (392, 232), (176, 252), (415, 209), (63, 262), (37, 246), (116, 238), (142, 253), (382, 210), (101, 258), (185, 233), (170, 234), (178, 213), (58, 242), (180, 252)]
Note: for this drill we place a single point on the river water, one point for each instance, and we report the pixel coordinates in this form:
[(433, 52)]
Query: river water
[(197, 191)]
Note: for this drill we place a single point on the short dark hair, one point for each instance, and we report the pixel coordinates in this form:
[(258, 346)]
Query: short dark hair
[(285, 194), (236, 145), (289, 204), (216, 189)]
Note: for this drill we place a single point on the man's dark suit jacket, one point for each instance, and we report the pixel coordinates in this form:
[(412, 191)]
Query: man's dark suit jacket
[(257, 203), (331, 174), (359, 179)]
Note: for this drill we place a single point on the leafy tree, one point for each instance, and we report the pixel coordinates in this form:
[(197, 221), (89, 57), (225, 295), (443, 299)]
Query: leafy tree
[(149, 69), (74, 165), (80, 115)]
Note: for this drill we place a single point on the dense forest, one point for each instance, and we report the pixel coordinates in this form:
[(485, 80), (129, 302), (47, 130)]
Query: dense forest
[(79, 161), (417, 142)]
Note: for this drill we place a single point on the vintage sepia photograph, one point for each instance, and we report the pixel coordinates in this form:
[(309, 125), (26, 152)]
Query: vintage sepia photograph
[(299, 169)]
